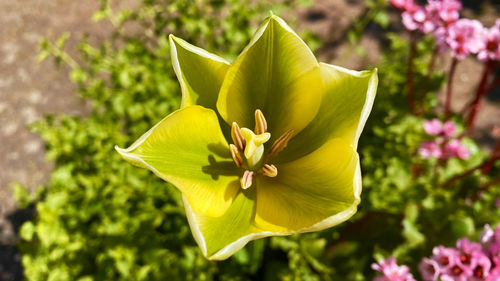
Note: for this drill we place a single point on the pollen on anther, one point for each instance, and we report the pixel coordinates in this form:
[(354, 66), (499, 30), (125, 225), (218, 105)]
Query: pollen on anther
[(280, 143), (246, 180), (235, 153), (237, 137), (260, 122), (269, 170)]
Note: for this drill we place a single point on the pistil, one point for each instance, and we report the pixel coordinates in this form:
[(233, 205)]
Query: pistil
[(254, 149)]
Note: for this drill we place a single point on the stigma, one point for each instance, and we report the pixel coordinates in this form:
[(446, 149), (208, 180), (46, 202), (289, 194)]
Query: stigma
[(249, 152)]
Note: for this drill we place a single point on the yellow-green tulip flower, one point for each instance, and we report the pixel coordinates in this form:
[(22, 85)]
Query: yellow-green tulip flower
[(296, 171)]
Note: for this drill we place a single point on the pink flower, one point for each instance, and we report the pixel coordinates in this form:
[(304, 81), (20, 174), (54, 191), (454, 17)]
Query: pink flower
[(391, 271), (402, 4), (490, 49), (444, 257), (494, 248), (468, 254), (454, 148), (440, 13), (464, 37), (498, 203), (413, 17), (487, 234), (449, 12), (457, 272), (430, 149), (433, 127), (429, 269), (432, 18), (449, 129), (482, 266), (494, 274), (440, 35)]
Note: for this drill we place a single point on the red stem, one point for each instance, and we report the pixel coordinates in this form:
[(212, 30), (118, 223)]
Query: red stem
[(492, 182), (490, 88), (485, 188), (476, 104), (481, 166), (494, 156), (430, 67), (411, 88), (449, 88)]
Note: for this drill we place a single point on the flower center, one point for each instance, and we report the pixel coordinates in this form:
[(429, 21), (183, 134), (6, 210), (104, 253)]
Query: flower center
[(492, 46), (254, 148), (248, 150), (465, 258), (478, 272), (456, 270)]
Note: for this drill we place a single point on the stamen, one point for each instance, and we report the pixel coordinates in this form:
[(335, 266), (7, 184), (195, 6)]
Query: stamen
[(237, 137), (236, 155), (269, 170), (260, 122), (280, 143), (246, 180)]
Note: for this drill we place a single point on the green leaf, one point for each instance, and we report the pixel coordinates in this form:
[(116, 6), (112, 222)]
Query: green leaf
[(27, 231)]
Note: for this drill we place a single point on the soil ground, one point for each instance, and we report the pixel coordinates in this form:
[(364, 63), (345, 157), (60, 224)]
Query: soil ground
[(29, 90)]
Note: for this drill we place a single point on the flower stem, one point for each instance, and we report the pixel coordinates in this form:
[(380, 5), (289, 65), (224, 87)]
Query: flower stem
[(494, 156), (476, 104), (481, 166), (449, 89), (485, 188), (430, 67), (411, 87)]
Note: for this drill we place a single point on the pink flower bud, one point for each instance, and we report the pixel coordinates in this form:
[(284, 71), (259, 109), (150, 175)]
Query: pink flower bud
[(433, 127)]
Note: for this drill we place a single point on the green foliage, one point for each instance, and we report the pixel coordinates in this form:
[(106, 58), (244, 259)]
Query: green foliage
[(101, 219)]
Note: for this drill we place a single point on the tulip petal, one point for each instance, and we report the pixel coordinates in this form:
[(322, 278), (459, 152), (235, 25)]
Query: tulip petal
[(199, 72), (220, 237), (314, 192), (187, 149), (276, 73), (347, 101)]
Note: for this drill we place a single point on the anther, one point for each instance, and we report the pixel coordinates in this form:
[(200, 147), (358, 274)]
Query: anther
[(269, 170), (237, 137), (280, 143), (236, 155), (246, 180), (260, 122)]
